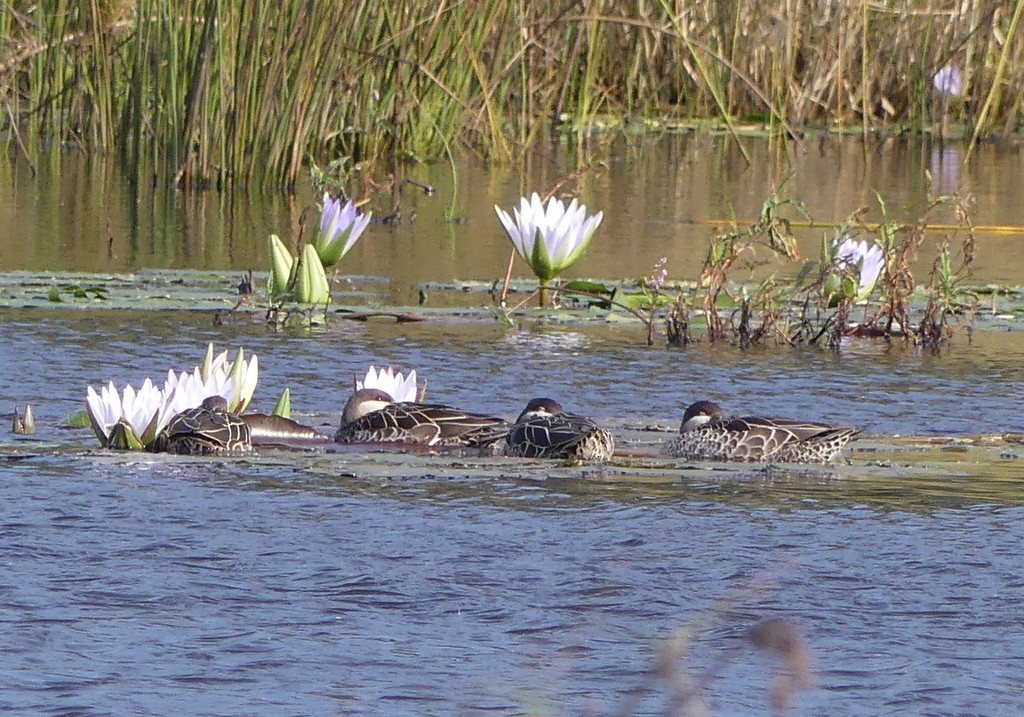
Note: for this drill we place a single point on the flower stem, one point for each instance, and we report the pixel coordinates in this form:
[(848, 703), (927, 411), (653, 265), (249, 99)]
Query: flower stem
[(543, 293)]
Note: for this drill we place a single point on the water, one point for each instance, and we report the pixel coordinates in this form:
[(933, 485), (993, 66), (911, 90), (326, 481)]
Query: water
[(304, 583), (661, 197)]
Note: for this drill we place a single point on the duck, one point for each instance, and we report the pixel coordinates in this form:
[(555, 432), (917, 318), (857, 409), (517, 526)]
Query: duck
[(371, 415), (706, 432), (207, 430), (546, 430)]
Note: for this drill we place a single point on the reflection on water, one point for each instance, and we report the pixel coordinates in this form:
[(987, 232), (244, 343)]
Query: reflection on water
[(945, 168), (661, 197)]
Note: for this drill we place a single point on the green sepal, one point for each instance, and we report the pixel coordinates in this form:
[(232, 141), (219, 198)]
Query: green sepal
[(123, 438), (282, 265), (312, 286), (331, 252)]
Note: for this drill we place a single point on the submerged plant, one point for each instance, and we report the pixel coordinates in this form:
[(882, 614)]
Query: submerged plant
[(549, 238)]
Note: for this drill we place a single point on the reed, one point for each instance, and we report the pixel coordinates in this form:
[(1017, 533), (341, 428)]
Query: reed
[(223, 92)]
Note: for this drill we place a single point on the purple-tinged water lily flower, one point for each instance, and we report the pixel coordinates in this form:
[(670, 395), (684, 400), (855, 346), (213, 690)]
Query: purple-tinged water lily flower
[(866, 259), (399, 387), (949, 81), (550, 238), (340, 227)]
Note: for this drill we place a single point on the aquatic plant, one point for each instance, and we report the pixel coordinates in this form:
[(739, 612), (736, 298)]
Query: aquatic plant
[(646, 303), (341, 225), (951, 306), (857, 266), (132, 419), (772, 229), (283, 407), (23, 424), (415, 78), (399, 387), (551, 237), (303, 279), (121, 420), (244, 372)]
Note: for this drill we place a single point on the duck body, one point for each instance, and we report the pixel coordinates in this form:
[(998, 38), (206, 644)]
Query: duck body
[(207, 430), (370, 416), (707, 433), (545, 430)]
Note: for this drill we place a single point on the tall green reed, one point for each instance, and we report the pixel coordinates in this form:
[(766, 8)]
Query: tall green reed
[(222, 92)]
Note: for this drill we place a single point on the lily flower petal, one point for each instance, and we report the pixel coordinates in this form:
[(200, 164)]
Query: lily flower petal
[(400, 388), (104, 410)]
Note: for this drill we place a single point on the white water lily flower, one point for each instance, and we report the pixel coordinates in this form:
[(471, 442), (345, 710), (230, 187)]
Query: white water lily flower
[(134, 418), (867, 259), (340, 226), (122, 420), (245, 374), (399, 387), (139, 407), (549, 238), (188, 389)]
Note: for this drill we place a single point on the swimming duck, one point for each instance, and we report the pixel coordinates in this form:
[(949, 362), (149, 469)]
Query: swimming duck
[(545, 430), (207, 430), (707, 433), (372, 416)]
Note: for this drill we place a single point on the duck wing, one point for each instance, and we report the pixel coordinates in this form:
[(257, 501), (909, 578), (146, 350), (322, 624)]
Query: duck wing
[(555, 436), (214, 429), (422, 423)]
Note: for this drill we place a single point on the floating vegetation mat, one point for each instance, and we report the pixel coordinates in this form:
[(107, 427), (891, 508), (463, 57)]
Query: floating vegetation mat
[(355, 297), (908, 473)]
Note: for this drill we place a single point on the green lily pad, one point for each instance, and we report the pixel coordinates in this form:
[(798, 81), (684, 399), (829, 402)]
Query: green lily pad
[(78, 419)]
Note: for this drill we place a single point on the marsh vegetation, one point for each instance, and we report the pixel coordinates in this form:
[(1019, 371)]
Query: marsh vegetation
[(223, 92)]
